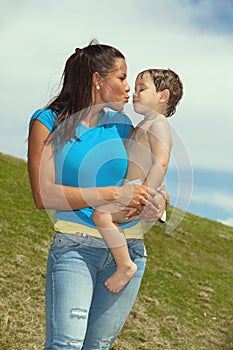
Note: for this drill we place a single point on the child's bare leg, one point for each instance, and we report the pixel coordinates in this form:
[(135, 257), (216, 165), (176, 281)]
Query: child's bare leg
[(115, 240), (125, 270)]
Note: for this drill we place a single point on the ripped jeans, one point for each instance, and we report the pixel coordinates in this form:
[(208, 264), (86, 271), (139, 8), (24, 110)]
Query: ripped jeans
[(80, 311)]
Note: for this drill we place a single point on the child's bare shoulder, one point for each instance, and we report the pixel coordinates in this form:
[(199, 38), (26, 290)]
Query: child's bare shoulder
[(160, 121), (160, 129), (155, 123)]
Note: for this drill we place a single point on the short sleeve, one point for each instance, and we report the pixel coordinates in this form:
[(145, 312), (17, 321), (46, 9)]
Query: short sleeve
[(46, 116)]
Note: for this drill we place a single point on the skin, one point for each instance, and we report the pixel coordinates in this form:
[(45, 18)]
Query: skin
[(146, 99), (153, 105), (153, 135), (49, 195), (114, 89)]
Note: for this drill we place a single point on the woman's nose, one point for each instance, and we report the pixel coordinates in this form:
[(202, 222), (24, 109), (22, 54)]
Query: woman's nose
[(127, 88)]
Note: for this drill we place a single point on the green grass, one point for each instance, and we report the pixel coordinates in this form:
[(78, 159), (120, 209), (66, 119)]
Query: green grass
[(185, 301)]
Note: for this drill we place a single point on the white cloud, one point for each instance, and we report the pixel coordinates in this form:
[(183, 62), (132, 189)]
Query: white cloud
[(215, 198), (36, 43), (228, 222)]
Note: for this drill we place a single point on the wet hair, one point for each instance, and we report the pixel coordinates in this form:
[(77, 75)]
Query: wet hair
[(166, 79), (75, 98)]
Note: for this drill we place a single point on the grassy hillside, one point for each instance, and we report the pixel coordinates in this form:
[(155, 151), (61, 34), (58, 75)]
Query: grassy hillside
[(185, 301)]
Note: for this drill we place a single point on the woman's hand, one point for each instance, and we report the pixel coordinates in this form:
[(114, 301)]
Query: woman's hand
[(132, 195)]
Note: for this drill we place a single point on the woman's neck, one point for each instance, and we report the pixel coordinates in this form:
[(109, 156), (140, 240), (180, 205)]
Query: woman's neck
[(92, 118)]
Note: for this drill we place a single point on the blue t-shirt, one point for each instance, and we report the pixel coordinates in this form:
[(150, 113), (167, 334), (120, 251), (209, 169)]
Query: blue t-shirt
[(96, 159)]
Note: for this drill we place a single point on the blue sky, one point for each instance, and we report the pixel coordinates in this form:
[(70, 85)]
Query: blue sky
[(194, 38), (216, 16)]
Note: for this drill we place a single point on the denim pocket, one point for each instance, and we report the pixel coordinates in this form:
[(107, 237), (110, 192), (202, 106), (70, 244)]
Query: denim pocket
[(137, 249), (62, 243)]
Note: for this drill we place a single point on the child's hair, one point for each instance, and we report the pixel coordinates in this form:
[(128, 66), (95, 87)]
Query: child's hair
[(167, 79)]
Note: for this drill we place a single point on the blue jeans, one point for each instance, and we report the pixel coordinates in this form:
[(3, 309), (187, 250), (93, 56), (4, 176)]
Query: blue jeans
[(80, 311)]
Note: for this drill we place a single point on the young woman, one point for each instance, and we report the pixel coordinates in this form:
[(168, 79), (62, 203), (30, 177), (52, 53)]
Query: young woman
[(76, 160)]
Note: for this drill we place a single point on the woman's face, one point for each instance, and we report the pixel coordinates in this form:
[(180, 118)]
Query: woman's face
[(114, 88)]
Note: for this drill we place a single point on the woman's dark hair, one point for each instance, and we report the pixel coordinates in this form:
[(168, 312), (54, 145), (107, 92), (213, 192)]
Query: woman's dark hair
[(76, 92)]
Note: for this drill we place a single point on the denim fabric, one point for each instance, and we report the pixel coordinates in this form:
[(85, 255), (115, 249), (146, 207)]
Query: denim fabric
[(80, 311)]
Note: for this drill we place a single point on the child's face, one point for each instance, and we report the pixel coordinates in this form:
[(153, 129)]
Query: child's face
[(145, 97)]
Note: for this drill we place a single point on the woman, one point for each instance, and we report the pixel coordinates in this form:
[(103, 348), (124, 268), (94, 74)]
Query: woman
[(76, 161)]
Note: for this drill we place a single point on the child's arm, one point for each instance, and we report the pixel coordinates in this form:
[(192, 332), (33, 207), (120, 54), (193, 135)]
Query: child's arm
[(160, 142)]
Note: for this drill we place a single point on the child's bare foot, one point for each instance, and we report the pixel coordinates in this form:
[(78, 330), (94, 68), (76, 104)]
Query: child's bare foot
[(120, 278)]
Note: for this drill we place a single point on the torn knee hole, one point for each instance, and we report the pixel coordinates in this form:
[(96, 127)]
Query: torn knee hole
[(104, 344), (76, 344), (80, 313)]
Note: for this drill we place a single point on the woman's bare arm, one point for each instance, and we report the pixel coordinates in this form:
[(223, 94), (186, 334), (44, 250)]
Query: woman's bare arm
[(49, 195)]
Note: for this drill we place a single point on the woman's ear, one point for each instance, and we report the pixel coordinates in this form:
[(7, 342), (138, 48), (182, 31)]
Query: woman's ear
[(164, 95), (96, 80)]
